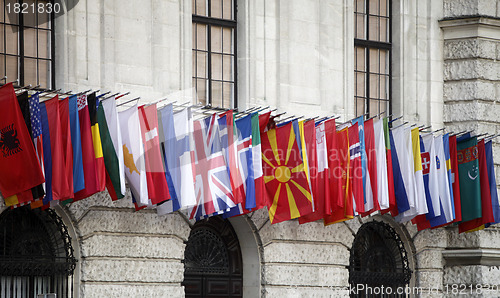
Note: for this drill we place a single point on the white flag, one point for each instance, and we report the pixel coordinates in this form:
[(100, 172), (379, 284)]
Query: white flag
[(133, 155), (111, 114), (442, 173), (430, 168), (383, 189)]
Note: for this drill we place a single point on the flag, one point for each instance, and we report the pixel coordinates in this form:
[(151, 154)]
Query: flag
[(284, 175), (308, 138), (446, 145), (356, 169), (347, 211), (367, 188), (245, 158), (36, 135), (445, 196), (229, 148), (57, 187), (492, 181), (420, 201), (20, 170), (403, 147), (96, 141), (371, 166), (454, 179), (38, 191), (469, 180), (155, 174), (133, 155), (112, 147), (260, 191), (487, 215), (429, 171), (65, 130), (166, 126), (76, 143), (393, 208), (400, 194), (381, 171), (336, 198), (179, 145), (213, 185), (88, 154)]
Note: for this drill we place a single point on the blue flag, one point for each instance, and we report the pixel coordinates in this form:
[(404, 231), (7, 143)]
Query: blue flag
[(492, 181), (399, 186), (47, 154), (76, 141)]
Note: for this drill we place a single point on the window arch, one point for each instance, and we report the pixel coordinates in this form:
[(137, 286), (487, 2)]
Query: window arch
[(378, 258), (36, 255), (212, 260)]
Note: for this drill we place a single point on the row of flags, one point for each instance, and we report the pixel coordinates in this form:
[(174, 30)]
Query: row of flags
[(229, 164)]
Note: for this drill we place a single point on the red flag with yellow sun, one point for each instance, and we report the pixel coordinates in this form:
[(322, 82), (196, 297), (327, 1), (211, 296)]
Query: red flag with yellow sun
[(288, 191)]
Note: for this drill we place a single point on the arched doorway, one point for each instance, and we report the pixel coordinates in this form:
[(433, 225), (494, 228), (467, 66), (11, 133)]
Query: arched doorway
[(212, 260), (36, 256), (378, 261)]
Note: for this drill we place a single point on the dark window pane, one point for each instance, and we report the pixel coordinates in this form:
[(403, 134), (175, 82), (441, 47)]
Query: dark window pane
[(30, 71), (227, 40), (228, 91), (2, 65), (216, 9), (360, 26), (1, 12), (384, 59), (374, 61), (227, 68), (43, 18), (2, 44), (11, 17), (30, 42), (374, 8), (201, 62), (360, 58), (217, 94), (360, 84), (384, 9), (360, 106), (360, 6), (216, 66), (29, 19), (227, 9), (375, 108), (12, 68), (384, 30), (374, 86), (216, 39), (44, 73), (201, 7), (201, 90), (374, 28), (12, 37), (201, 37)]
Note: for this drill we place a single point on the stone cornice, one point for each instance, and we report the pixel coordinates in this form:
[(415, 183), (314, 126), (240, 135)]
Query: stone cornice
[(464, 257), (471, 27)]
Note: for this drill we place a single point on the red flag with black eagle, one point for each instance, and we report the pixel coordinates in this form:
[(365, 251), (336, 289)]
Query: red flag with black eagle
[(19, 166)]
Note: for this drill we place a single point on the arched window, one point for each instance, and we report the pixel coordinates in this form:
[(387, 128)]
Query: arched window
[(36, 256), (378, 258), (212, 261)]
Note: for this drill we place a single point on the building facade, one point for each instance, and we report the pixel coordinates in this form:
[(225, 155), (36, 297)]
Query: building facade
[(434, 63)]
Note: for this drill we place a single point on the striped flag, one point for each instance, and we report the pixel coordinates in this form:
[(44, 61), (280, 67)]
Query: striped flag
[(76, 140), (213, 186), (260, 190), (112, 147), (381, 155)]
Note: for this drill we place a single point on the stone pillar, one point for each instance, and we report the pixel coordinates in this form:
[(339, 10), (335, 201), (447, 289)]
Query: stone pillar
[(471, 31)]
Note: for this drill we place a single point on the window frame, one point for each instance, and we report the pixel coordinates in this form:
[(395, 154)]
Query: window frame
[(212, 21), (21, 42), (368, 44)]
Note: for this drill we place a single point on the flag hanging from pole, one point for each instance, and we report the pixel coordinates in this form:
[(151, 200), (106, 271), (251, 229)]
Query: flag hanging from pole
[(260, 191), (20, 170), (380, 152), (96, 141), (133, 155), (155, 174), (67, 146), (286, 183), (112, 146)]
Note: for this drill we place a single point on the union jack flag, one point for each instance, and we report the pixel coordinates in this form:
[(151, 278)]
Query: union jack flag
[(212, 187)]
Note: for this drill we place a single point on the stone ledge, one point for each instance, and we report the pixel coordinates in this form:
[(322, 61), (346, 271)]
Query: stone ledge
[(470, 48), (470, 27), (471, 69), (299, 253), (464, 257), (131, 290), (305, 275)]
